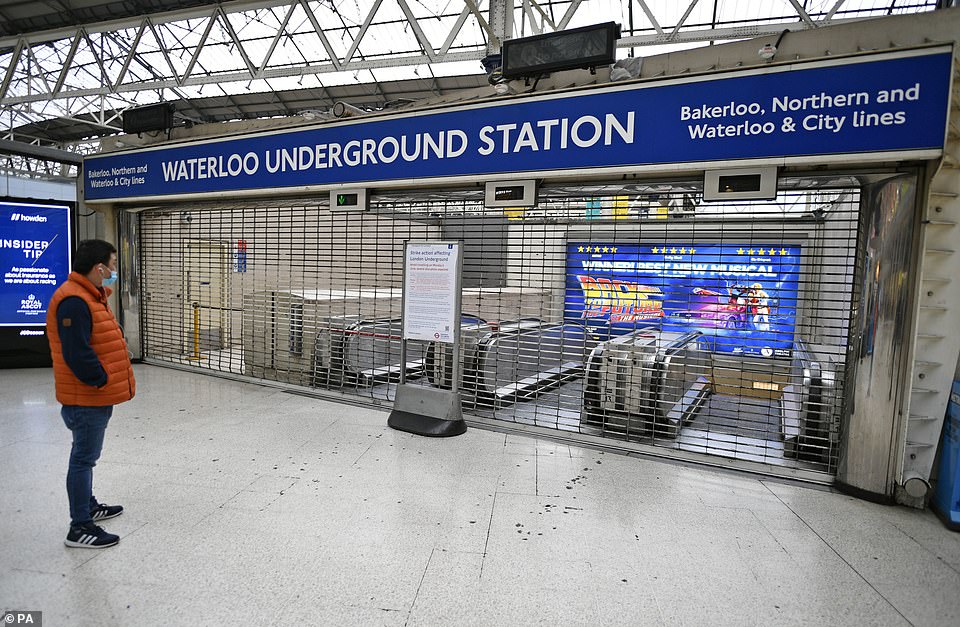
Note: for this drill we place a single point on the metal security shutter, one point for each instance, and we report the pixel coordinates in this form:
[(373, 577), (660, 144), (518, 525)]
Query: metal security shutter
[(636, 313)]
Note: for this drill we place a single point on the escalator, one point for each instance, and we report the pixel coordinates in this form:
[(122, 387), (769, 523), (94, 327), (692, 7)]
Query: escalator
[(667, 388), (523, 359)]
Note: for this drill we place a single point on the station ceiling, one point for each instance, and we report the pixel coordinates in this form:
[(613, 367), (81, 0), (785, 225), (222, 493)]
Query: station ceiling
[(69, 68)]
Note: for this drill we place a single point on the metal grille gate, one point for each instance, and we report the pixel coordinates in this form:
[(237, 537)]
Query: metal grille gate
[(635, 312)]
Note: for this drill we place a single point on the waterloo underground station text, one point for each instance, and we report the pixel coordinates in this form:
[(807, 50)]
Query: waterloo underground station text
[(536, 136)]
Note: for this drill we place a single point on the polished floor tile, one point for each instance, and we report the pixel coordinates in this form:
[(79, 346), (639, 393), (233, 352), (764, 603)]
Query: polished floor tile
[(252, 505)]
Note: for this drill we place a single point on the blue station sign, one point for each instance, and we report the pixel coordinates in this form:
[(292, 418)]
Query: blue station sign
[(876, 103)]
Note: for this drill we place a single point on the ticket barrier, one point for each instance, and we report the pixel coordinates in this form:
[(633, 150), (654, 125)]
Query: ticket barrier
[(523, 359), (439, 357), (651, 383)]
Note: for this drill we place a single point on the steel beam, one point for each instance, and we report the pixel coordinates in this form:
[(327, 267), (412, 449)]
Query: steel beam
[(276, 39), (134, 21), (203, 40), (12, 68), (412, 20), (695, 35), (239, 44), (43, 153), (457, 27), (683, 19), (363, 31), (334, 59)]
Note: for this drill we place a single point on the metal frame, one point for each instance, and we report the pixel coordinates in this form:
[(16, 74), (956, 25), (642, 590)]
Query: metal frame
[(108, 64)]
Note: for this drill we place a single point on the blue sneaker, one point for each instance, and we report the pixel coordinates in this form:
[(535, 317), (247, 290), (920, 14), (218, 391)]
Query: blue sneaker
[(103, 512), (90, 536)]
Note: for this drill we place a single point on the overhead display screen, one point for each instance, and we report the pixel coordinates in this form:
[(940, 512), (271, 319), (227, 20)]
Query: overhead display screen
[(34, 258), (743, 297)]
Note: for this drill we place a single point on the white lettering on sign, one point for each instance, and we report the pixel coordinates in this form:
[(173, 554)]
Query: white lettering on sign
[(532, 136)]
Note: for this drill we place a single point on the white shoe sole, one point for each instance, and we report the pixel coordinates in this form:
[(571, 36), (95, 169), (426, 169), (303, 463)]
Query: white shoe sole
[(107, 517), (81, 545)]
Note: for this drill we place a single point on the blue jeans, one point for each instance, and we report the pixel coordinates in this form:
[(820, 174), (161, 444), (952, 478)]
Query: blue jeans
[(88, 425)]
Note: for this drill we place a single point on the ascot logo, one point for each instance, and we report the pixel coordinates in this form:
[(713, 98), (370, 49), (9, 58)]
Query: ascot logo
[(31, 303)]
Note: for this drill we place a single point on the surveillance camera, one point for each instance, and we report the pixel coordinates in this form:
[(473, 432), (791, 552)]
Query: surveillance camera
[(186, 217), (767, 51)]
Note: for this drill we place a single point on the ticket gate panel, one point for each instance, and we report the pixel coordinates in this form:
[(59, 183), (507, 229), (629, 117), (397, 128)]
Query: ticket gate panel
[(439, 356)]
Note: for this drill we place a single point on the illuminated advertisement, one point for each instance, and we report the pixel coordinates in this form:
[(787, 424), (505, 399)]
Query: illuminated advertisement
[(742, 297), (34, 259)]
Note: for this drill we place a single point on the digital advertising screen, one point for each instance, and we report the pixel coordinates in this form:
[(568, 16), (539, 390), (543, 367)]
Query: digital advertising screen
[(35, 249), (743, 297)]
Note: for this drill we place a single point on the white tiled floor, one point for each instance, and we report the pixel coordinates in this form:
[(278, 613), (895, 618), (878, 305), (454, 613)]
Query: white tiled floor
[(249, 505)]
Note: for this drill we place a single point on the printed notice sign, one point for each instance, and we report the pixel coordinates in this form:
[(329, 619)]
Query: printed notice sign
[(431, 291)]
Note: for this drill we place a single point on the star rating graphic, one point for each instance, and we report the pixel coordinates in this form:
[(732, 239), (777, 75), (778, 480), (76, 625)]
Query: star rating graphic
[(771, 251), (762, 251), (673, 250), (596, 249)]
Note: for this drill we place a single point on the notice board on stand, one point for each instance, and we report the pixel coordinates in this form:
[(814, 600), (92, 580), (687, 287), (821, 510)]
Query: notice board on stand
[(432, 284)]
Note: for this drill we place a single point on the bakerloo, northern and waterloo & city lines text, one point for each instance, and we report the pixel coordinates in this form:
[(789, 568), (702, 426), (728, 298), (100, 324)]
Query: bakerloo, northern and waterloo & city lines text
[(814, 120)]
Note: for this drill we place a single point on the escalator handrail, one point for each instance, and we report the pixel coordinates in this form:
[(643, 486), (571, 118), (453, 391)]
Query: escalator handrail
[(674, 347), (659, 364), (489, 338)]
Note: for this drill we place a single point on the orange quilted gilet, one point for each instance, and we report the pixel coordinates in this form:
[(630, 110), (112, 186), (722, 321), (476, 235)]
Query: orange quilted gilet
[(107, 341)]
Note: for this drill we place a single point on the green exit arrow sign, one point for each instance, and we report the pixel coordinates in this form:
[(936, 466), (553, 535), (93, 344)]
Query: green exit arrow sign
[(349, 199)]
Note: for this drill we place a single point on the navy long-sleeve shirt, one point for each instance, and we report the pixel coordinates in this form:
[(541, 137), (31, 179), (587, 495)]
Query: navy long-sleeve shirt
[(75, 325)]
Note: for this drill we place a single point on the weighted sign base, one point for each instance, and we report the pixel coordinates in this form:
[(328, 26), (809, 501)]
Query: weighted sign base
[(427, 411)]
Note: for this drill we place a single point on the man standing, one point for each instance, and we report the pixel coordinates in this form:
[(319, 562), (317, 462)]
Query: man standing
[(92, 371)]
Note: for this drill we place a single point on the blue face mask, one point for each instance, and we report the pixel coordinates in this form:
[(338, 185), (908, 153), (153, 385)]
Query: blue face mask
[(110, 280)]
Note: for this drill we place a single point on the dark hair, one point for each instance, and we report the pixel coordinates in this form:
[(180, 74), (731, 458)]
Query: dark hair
[(90, 252)]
